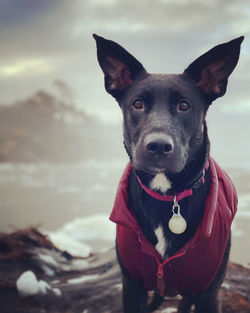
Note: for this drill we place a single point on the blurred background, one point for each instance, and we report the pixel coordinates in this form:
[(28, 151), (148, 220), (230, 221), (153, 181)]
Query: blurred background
[(61, 152)]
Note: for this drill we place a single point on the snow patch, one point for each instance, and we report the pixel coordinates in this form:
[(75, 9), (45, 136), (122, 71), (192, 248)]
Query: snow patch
[(82, 279), (48, 259), (118, 287), (79, 264), (48, 271), (226, 285), (73, 246), (91, 227), (42, 286), (75, 265), (28, 285), (57, 292), (169, 310), (72, 236)]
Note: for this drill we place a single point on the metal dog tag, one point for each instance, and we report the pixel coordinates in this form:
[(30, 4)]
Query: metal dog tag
[(177, 223)]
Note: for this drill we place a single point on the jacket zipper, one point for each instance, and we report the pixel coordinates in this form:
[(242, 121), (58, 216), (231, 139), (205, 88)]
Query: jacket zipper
[(160, 280)]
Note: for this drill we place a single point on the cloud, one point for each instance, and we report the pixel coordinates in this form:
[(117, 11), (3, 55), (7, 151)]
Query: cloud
[(45, 40), (23, 67)]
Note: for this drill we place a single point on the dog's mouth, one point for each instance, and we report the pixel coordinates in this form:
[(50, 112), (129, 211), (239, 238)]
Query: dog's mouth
[(152, 170), (169, 166)]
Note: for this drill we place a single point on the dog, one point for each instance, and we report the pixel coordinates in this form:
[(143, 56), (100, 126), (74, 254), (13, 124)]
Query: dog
[(174, 205)]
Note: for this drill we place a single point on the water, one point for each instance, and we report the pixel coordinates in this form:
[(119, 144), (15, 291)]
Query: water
[(51, 195)]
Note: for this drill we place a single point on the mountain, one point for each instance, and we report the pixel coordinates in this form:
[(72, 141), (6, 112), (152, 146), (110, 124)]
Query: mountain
[(45, 128)]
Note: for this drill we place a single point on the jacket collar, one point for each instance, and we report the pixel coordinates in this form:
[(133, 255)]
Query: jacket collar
[(123, 215)]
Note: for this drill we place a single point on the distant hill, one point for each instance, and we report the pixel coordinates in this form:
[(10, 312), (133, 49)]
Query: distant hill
[(45, 128)]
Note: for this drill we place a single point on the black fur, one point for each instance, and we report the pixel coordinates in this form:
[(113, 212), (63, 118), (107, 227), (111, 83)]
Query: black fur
[(165, 132)]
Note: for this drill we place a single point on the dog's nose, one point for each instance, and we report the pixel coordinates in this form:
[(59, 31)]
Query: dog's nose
[(159, 143)]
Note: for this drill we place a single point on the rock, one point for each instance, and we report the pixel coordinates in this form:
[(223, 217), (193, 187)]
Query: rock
[(82, 285)]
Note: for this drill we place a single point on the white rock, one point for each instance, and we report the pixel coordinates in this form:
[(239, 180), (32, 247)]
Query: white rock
[(28, 285)]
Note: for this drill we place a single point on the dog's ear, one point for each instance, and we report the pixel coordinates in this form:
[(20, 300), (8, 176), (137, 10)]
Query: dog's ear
[(211, 70), (120, 68)]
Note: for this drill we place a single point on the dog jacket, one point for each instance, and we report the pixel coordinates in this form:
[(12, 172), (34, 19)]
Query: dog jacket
[(191, 269)]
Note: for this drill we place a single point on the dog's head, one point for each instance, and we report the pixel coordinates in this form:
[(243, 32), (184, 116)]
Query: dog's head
[(164, 115)]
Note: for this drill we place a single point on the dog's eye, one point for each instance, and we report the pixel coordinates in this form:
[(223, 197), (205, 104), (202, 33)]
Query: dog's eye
[(138, 104), (183, 106)]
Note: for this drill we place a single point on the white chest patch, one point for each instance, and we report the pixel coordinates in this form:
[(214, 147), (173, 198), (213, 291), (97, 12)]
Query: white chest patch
[(161, 245), (160, 182)]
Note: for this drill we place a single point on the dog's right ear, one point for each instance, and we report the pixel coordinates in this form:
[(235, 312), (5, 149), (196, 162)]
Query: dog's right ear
[(210, 71), (120, 68)]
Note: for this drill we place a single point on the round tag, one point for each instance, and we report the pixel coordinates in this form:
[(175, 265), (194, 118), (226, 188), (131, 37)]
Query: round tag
[(177, 224)]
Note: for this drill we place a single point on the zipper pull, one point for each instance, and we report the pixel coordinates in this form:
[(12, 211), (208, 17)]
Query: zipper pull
[(160, 280), (139, 238), (160, 270)]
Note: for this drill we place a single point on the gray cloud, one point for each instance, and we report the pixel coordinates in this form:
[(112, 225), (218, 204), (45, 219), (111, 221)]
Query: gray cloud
[(165, 35)]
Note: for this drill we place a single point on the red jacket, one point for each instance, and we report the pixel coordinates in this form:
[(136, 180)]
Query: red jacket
[(192, 269)]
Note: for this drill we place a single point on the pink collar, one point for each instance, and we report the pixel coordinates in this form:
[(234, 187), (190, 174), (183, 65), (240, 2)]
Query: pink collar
[(170, 198), (179, 196)]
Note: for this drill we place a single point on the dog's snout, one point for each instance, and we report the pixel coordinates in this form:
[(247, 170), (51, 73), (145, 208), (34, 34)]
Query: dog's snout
[(159, 147), (159, 144)]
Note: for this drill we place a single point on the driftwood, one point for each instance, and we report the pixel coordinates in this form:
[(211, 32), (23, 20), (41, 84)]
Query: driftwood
[(89, 285)]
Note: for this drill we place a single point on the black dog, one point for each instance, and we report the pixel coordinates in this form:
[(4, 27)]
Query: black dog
[(174, 204)]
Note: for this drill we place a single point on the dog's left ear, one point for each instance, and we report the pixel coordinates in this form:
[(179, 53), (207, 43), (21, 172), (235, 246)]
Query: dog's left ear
[(120, 68), (211, 70)]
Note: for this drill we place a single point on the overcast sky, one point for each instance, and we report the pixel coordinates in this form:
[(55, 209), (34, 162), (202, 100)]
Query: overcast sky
[(46, 40)]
